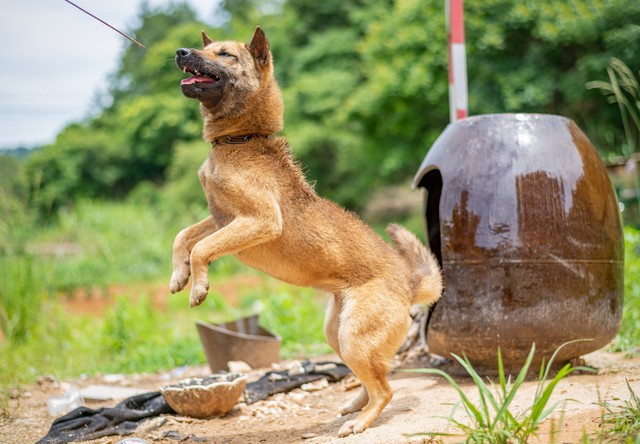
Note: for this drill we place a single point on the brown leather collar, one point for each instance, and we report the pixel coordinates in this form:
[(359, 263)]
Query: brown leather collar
[(234, 140)]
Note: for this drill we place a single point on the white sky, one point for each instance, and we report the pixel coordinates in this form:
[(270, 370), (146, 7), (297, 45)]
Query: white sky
[(55, 59)]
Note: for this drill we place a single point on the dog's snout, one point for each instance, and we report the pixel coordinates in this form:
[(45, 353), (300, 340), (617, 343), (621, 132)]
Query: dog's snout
[(183, 52)]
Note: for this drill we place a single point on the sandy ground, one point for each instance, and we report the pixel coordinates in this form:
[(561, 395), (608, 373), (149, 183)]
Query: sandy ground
[(419, 403)]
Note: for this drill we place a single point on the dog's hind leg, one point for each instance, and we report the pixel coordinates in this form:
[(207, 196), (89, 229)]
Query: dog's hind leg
[(372, 327), (332, 322), (357, 403), (375, 394), (331, 328), (182, 246)]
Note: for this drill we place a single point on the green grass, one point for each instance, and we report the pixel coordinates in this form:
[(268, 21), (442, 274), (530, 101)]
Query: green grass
[(135, 336), (623, 89), (115, 243), (618, 424), (490, 420), (623, 424), (22, 293), (628, 339), (296, 314)]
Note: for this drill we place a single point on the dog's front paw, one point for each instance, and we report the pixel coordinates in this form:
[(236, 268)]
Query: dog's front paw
[(354, 426), (178, 281), (198, 294), (180, 276)]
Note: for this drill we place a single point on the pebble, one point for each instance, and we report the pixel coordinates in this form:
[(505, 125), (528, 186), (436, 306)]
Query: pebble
[(315, 386), (239, 367)]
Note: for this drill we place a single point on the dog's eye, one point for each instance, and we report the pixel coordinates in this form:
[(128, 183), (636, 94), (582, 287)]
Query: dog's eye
[(224, 54)]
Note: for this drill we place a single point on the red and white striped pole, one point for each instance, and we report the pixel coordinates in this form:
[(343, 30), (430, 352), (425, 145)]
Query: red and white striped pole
[(458, 96)]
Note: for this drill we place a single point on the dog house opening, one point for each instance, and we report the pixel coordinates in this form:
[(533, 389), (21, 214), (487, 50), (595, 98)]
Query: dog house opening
[(432, 184)]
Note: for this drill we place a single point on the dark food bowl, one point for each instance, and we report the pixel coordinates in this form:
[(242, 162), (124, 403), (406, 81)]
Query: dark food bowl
[(241, 340)]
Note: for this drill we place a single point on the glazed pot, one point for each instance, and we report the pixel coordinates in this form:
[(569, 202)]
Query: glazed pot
[(524, 220)]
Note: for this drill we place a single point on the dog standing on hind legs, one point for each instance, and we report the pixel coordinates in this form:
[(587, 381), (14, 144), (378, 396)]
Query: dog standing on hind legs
[(264, 212)]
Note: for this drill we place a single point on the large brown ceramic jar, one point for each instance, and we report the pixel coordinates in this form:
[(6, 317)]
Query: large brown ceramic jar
[(524, 220)]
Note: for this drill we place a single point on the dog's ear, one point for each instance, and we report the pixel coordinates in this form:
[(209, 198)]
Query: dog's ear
[(206, 40), (259, 46)]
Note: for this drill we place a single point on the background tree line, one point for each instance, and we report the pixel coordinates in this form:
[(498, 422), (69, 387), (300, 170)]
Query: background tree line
[(365, 90)]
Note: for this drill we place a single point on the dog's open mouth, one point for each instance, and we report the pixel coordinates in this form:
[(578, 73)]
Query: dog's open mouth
[(198, 77)]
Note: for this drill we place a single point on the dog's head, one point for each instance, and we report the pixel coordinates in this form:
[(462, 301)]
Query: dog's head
[(229, 78)]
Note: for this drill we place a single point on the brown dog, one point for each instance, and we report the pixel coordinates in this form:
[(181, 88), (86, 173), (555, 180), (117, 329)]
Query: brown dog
[(266, 214)]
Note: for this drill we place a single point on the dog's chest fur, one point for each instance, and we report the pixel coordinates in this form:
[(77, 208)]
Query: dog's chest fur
[(248, 178), (322, 245)]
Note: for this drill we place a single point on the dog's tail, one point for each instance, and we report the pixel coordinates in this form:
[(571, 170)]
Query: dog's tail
[(426, 278)]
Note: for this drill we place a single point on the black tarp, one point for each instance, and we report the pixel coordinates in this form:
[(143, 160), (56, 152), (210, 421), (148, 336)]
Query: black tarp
[(84, 423)]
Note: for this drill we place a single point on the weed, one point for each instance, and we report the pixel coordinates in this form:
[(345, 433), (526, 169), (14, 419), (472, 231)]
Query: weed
[(138, 337), (623, 424), (295, 315), (629, 335), (116, 243), (21, 295), (623, 88), (492, 421)]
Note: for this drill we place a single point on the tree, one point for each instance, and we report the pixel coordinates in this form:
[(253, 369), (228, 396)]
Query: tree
[(364, 84), (366, 92), (132, 139)]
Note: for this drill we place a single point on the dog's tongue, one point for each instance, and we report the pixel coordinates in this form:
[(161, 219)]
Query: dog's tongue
[(196, 79)]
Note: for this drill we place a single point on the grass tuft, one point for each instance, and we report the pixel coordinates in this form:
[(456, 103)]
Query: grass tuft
[(491, 420), (622, 424)]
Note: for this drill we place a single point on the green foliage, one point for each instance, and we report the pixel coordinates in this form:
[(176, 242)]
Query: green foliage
[(491, 420), (629, 336), (622, 424), (294, 314), (115, 243), (13, 204), (388, 78), (364, 83), (56, 344), (623, 89), (137, 336), (83, 162), (21, 296), (183, 194), (126, 323), (133, 337)]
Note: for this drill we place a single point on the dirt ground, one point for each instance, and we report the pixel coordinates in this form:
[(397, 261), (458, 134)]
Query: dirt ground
[(419, 403)]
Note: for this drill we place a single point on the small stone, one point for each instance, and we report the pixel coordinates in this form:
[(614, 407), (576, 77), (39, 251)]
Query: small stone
[(238, 367), (298, 396), (349, 383), (275, 377), (295, 368), (315, 386), (46, 380)]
